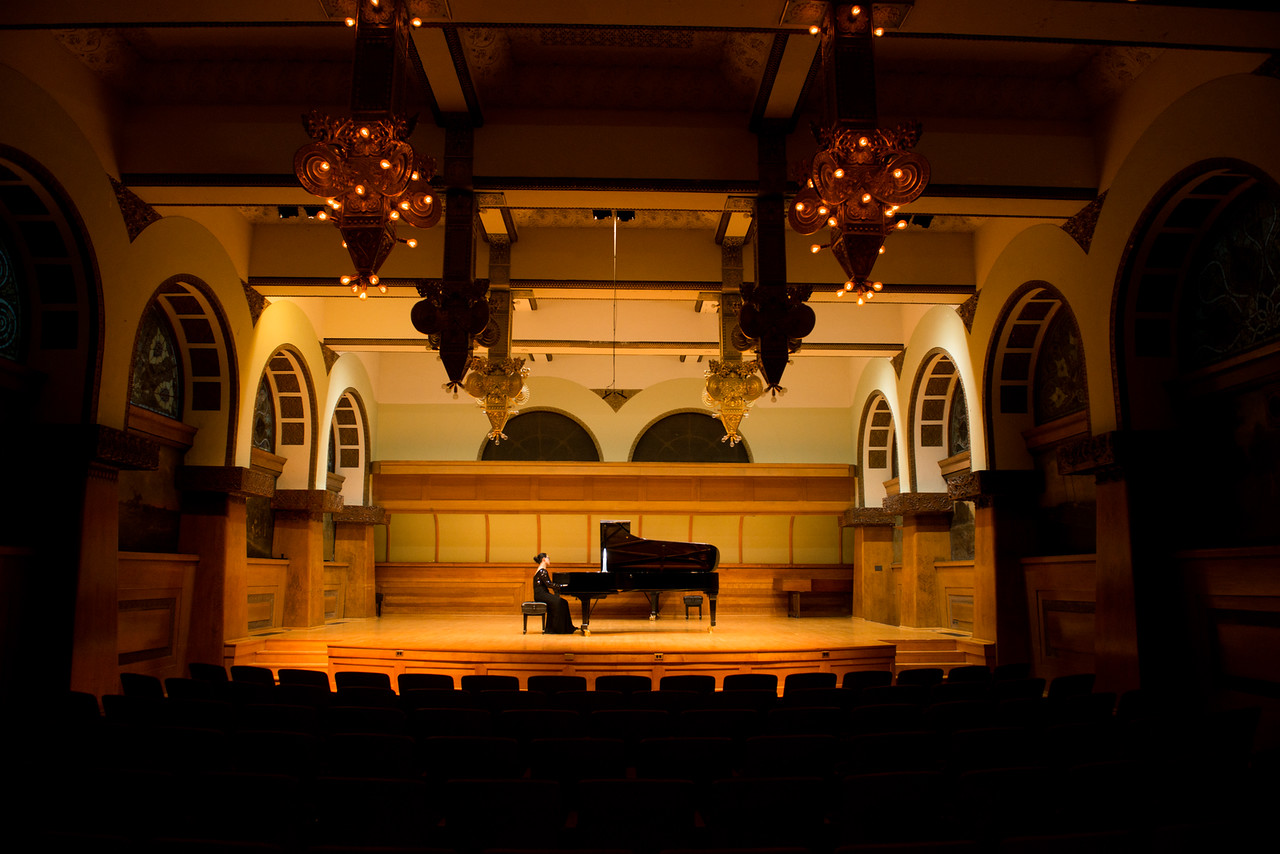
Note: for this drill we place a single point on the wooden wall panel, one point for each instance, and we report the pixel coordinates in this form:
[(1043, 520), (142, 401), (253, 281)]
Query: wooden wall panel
[(1061, 596), (722, 532), (463, 538), (411, 537), (815, 539), (154, 594), (512, 538), (656, 527), (566, 538), (766, 539)]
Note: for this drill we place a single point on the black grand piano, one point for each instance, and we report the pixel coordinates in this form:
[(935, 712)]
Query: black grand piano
[(630, 564)]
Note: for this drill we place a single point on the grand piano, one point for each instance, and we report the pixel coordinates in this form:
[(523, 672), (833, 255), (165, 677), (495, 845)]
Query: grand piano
[(631, 564)]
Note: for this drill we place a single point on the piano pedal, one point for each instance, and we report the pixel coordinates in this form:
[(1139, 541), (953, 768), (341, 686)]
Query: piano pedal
[(653, 617)]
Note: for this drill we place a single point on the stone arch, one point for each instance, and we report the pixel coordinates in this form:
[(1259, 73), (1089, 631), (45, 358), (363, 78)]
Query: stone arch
[(1018, 366), (349, 447), (293, 407), (877, 451), (701, 440), (55, 274), (544, 434), (1197, 355), (206, 352), (933, 396)]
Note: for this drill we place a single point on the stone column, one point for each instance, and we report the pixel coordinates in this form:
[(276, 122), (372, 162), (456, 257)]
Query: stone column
[(299, 536), (873, 593), (1004, 516), (926, 538), (1142, 634), (353, 536), (214, 527)]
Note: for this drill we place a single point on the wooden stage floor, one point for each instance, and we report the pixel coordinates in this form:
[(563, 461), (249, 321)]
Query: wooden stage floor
[(670, 644)]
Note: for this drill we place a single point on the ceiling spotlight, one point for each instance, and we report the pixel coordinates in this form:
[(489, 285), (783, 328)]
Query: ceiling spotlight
[(311, 210), (626, 216), (287, 211), (599, 215)]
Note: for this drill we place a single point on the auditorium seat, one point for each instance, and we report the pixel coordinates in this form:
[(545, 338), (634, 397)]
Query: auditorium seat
[(703, 682), (807, 681), (452, 757), (481, 814), (1070, 685), (750, 813), (178, 687), (758, 700), (370, 719), (627, 683), (207, 672), (926, 676), (945, 692), (969, 673), (476, 682), (858, 679), (141, 685), (370, 754), (362, 679), (252, 673), (790, 756), (642, 815), (670, 700), (992, 747), (366, 695), (899, 807), (736, 724), (526, 724), (296, 754), (587, 701), (504, 699), (873, 695), (424, 681), (701, 759), (571, 759), (805, 720), (873, 753), (750, 682), (282, 717), (450, 721), (554, 683), (300, 676), (886, 717), (373, 813), (436, 698), (1015, 801)]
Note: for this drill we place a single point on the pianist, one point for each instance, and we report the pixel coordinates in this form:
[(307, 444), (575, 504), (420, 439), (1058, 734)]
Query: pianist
[(559, 622)]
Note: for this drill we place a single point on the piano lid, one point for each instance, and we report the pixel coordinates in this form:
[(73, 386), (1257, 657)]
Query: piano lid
[(620, 550)]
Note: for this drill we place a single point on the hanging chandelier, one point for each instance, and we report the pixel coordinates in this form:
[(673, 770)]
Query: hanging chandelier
[(861, 174), (732, 388), (498, 387), (363, 165)]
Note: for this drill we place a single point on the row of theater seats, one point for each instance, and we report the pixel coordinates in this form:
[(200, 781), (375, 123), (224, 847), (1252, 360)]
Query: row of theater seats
[(489, 767)]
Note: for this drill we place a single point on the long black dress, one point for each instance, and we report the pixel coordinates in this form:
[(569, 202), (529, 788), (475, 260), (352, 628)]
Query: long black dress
[(559, 622)]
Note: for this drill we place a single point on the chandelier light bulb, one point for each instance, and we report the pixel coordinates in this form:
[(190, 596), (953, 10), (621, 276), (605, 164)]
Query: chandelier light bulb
[(351, 22), (322, 214), (427, 199), (814, 29), (384, 163), (875, 286), (870, 294), (363, 295), (382, 289), (800, 206), (324, 166), (413, 175), (404, 206), (848, 286), (393, 215), (412, 243), (839, 173), (364, 132), (831, 221), (855, 11), (880, 251), (417, 22), (861, 301), (840, 293), (879, 31), (866, 197), (897, 173), (346, 280), (900, 224), (815, 248), (359, 189), (373, 279), (344, 244), (863, 142), (822, 209)]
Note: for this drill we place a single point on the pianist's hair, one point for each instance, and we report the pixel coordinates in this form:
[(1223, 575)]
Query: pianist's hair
[(539, 556)]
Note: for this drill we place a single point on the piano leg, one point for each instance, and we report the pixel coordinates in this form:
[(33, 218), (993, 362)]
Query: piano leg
[(585, 625), (711, 602), (653, 605)]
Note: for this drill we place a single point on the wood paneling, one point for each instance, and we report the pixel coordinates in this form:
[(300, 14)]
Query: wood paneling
[(154, 612), (1061, 592)]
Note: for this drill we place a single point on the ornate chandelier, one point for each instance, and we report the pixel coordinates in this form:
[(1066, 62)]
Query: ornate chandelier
[(363, 166), (861, 175), (732, 388), (498, 387), (856, 183)]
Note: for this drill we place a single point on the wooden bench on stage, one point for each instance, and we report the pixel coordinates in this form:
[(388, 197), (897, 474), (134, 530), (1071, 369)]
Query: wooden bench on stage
[(793, 586)]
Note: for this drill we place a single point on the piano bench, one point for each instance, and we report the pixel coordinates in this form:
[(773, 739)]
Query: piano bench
[(533, 609), (690, 602)]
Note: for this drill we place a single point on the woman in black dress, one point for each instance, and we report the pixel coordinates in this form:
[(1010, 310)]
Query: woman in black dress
[(558, 620)]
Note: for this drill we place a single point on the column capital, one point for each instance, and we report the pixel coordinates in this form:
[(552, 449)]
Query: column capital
[(918, 503), (311, 501), (107, 446), (228, 480), (867, 517), (360, 514), (982, 486), (1107, 455)]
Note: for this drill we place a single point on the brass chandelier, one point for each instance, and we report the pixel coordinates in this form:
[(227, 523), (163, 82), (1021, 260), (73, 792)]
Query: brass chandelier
[(861, 175), (363, 165)]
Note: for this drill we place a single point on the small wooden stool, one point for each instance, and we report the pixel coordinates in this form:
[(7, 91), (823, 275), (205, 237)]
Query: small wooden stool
[(533, 609), (691, 601)]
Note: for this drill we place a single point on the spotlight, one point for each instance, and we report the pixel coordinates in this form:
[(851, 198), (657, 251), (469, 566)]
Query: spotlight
[(626, 216), (287, 211), (599, 215), (311, 210)]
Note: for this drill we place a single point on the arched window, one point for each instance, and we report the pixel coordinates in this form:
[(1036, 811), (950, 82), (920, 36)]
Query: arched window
[(157, 383), (13, 327), (687, 437), (543, 436)]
